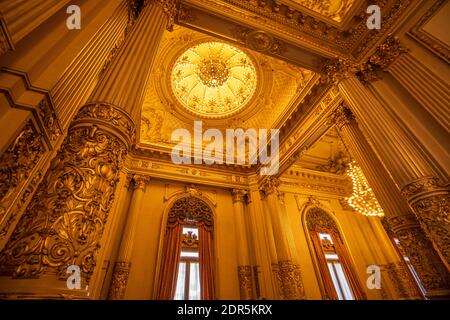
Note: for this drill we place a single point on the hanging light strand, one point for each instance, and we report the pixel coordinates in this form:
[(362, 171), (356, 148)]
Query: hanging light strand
[(363, 199)]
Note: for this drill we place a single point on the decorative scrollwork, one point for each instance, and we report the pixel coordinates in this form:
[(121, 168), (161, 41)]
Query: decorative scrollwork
[(289, 277), (414, 244), (245, 282), (318, 219), (17, 162), (65, 219), (191, 208), (119, 280)]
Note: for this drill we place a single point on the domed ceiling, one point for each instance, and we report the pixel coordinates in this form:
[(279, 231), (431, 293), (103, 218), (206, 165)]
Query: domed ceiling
[(198, 77), (213, 78)]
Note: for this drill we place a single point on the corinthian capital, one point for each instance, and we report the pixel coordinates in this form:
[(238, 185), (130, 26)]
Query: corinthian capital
[(342, 116), (171, 10), (140, 181), (269, 186), (239, 195)]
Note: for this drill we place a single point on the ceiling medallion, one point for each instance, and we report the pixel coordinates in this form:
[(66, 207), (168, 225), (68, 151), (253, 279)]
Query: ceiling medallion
[(213, 79)]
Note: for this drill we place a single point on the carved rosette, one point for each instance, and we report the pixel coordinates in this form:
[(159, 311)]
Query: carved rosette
[(65, 219), (429, 199), (245, 282), (415, 245), (290, 280), (119, 280)]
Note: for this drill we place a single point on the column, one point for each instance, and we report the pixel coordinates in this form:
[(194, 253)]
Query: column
[(421, 182), (23, 16), (64, 222), (244, 266), (26, 158), (123, 262), (287, 271), (398, 216)]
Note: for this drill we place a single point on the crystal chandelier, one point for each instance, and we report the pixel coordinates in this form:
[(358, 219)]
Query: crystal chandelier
[(363, 199)]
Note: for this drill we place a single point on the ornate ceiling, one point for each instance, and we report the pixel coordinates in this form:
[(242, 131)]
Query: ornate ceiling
[(213, 79), (336, 10), (210, 69)]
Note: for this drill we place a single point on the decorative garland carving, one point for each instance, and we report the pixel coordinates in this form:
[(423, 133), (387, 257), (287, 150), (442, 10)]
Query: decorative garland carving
[(189, 240), (119, 280), (17, 162), (259, 41), (245, 282), (64, 221), (191, 208)]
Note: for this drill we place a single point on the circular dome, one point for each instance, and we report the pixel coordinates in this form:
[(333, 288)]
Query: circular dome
[(213, 79)]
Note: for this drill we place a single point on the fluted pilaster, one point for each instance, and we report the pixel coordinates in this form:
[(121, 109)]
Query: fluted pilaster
[(287, 273), (244, 267), (64, 223), (122, 266)]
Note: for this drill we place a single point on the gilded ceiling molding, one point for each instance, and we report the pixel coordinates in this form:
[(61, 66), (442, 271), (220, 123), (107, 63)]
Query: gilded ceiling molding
[(306, 28), (337, 164), (431, 43), (260, 41), (368, 71)]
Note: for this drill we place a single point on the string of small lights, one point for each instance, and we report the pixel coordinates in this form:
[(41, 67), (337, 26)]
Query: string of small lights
[(363, 199)]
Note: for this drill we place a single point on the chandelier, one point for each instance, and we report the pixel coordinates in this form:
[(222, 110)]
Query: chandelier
[(213, 79), (363, 199)]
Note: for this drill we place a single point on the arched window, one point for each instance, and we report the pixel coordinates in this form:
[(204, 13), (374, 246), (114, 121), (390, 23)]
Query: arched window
[(339, 279), (188, 258)]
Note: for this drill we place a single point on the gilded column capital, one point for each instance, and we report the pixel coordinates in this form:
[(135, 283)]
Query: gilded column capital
[(342, 116), (269, 186), (366, 71), (239, 195), (119, 280), (140, 181), (170, 8)]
